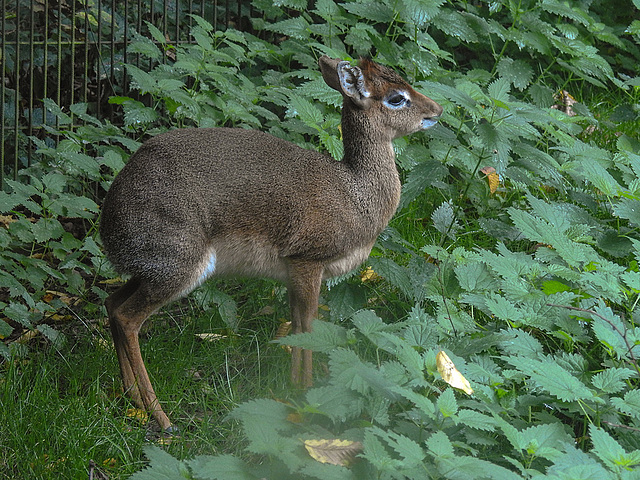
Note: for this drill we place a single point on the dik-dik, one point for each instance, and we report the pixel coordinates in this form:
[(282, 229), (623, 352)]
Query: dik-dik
[(201, 202)]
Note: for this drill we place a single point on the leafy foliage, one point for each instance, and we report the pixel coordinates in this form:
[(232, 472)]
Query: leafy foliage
[(530, 287)]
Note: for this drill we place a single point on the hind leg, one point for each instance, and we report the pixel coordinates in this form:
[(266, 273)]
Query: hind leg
[(129, 308), (112, 303)]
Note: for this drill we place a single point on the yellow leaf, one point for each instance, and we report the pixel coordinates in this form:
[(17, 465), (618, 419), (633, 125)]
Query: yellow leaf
[(212, 337), (104, 343), (450, 374), (283, 331), (138, 414), (335, 452), (27, 336), (295, 417), (565, 102), (369, 274), (5, 220), (167, 440), (492, 177)]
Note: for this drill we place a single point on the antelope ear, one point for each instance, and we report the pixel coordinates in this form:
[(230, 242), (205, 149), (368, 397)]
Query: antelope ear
[(345, 78)]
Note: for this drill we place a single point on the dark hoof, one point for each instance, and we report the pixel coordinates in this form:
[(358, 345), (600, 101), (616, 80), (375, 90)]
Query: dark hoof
[(172, 430)]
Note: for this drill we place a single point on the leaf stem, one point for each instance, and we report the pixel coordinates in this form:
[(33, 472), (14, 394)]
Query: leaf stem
[(632, 357)]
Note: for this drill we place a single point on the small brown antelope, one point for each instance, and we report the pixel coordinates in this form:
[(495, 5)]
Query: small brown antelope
[(198, 202)]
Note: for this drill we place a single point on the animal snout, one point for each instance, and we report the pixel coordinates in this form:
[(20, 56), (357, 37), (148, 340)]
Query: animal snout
[(429, 122)]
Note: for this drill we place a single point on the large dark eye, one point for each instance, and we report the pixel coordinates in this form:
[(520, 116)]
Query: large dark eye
[(396, 100)]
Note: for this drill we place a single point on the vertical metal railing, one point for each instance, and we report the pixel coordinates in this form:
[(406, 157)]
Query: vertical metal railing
[(74, 51)]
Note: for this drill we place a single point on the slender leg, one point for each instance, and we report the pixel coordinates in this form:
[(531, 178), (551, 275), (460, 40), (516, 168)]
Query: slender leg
[(112, 303), (304, 289), (128, 309)]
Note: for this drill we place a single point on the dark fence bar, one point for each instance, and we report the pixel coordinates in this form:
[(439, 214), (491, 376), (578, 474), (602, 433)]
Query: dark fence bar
[(73, 51)]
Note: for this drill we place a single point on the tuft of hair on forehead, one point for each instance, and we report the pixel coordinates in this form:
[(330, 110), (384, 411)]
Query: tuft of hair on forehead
[(379, 73)]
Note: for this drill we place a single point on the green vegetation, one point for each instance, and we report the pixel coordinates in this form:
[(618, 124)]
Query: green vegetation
[(527, 277)]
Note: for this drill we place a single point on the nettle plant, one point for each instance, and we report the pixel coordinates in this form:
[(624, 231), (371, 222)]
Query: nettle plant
[(515, 249), (49, 257), (524, 271)]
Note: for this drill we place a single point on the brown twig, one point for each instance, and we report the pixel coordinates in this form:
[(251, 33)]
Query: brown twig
[(632, 357), (617, 425), (95, 473)]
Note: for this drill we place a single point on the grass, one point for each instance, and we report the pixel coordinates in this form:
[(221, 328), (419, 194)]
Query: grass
[(63, 408)]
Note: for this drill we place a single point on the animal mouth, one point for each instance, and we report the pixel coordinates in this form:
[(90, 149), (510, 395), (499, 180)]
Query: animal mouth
[(429, 122)]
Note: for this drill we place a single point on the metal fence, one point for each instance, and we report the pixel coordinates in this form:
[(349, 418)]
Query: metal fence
[(74, 50)]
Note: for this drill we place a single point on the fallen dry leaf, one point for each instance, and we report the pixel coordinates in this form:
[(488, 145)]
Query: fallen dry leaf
[(5, 220), (138, 414), (450, 374), (334, 452), (369, 274), (492, 177), (283, 330), (211, 337)]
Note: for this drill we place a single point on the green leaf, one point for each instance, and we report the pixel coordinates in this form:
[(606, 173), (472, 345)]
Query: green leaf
[(610, 451), (296, 27), (440, 445), (162, 466), (5, 329), (77, 206), (611, 380), (306, 111), (499, 91), (503, 309), (53, 107), (136, 113), (444, 219), (335, 401), (544, 440), (630, 404), (424, 175), (145, 47), (471, 468), (221, 467), (112, 160), (423, 403), (421, 11), (46, 229), (610, 330), (628, 208), (56, 337), (542, 231), (541, 95), (141, 80), (455, 24), (375, 452), (20, 314), (54, 183), (410, 451), (518, 72), (155, 33), (553, 378), (227, 308), (333, 144), (345, 299), (395, 274), (447, 404), (327, 9), (325, 337), (473, 419), (202, 23)]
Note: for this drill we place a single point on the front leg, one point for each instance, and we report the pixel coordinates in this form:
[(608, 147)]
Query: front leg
[(304, 283)]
